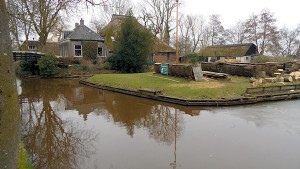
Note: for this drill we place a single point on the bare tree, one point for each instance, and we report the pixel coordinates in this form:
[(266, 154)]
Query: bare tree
[(236, 34), (261, 29), (158, 16), (269, 33), (252, 29), (20, 24), (97, 24), (289, 40), (117, 7), (216, 30), (191, 33)]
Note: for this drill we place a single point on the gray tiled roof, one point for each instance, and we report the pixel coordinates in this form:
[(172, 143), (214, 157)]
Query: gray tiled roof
[(82, 32)]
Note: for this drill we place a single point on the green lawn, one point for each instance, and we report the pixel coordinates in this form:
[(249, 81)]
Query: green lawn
[(176, 87)]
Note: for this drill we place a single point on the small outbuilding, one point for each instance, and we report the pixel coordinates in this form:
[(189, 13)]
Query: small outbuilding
[(240, 52)]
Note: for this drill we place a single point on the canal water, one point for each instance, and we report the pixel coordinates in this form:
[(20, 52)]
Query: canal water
[(67, 125)]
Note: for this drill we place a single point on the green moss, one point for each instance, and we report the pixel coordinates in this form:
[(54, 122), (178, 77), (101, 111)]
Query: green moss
[(226, 50), (23, 158)]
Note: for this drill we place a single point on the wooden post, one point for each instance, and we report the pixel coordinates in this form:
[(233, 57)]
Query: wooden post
[(177, 52)]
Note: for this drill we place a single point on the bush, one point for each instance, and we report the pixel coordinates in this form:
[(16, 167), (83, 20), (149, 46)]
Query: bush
[(48, 65), (193, 58), (76, 62), (25, 66)]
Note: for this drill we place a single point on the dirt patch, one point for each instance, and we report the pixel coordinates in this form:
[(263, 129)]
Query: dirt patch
[(201, 85)]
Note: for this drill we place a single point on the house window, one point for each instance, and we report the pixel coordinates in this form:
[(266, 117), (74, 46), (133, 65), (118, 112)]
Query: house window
[(78, 50), (32, 47), (100, 52)]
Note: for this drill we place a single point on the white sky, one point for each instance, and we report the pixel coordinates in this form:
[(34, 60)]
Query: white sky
[(287, 12)]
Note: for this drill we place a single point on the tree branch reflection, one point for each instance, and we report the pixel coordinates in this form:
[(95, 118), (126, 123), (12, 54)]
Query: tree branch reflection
[(51, 141)]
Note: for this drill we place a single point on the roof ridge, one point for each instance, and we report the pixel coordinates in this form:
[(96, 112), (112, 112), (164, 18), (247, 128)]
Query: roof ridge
[(231, 45)]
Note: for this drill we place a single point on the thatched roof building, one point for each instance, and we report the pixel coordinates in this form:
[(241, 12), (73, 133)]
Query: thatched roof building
[(160, 50), (233, 50)]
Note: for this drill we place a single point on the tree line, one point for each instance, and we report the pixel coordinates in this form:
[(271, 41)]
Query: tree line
[(196, 32), (47, 17)]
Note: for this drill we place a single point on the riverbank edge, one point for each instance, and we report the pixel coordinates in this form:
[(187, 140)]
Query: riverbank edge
[(243, 100)]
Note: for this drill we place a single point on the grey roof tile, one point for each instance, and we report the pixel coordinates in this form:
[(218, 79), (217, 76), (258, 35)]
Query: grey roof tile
[(82, 32)]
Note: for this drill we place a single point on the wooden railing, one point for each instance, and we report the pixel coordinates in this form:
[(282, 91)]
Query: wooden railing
[(27, 55)]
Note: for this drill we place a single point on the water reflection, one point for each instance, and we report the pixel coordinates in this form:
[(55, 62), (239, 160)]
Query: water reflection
[(58, 143), (130, 132), (133, 112), (51, 141)]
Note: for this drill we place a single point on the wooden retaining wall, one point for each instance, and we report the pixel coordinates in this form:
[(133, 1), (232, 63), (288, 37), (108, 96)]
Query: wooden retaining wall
[(240, 69), (272, 89), (201, 102)]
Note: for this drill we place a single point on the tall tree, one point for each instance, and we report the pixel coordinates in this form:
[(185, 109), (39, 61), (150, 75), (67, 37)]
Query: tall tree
[(236, 34), (20, 24), (9, 105), (45, 14), (252, 29), (268, 28), (289, 40), (131, 48), (262, 30), (217, 31), (97, 24), (117, 7), (158, 14), (191, 33)]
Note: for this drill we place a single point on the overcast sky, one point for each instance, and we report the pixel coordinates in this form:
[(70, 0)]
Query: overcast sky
[(287, 12)]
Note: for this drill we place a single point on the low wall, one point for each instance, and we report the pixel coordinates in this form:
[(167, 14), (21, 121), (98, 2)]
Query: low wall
[(240, 69), (185, 71)]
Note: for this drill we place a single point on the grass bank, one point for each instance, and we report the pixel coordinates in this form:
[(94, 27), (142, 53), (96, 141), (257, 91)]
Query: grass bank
[(176, 87), (23, 158)]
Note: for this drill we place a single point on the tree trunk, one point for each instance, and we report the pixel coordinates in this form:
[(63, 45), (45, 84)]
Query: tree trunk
[(9, 106)]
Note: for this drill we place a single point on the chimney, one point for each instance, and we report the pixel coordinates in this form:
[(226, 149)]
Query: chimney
[(81, 22), (76, 25)]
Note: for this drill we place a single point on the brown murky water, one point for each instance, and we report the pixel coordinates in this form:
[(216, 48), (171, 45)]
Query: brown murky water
[(67, 125)]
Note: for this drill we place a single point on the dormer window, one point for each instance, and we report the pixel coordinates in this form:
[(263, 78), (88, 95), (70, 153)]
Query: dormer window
[(32, 47)]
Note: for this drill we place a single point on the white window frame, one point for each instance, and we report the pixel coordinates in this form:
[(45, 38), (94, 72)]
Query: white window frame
[(100, 55), (78, 50), (32, 47)]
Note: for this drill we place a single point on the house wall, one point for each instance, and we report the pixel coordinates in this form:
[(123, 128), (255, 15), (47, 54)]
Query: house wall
[(164, 57), (244, 59), (67, 49)]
